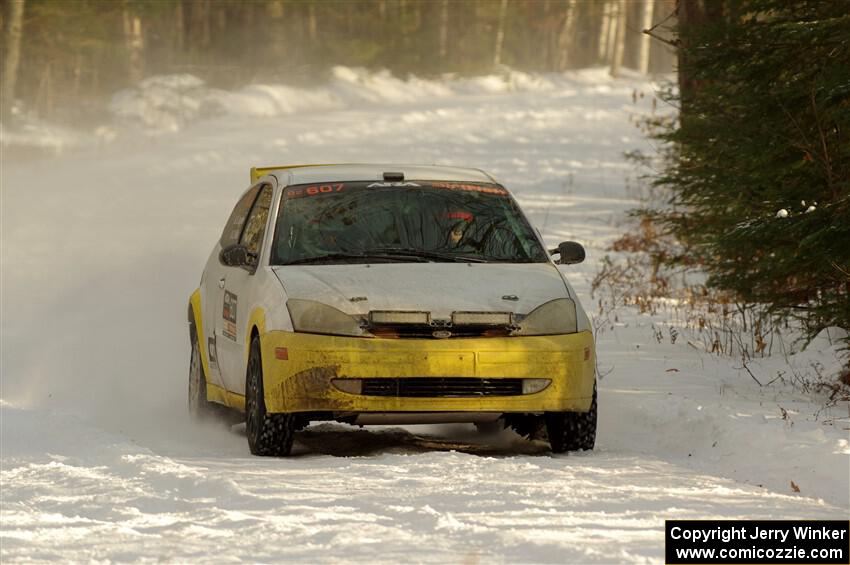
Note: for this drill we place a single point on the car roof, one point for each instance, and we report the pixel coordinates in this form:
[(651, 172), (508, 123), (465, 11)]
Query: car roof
[(306, 174)]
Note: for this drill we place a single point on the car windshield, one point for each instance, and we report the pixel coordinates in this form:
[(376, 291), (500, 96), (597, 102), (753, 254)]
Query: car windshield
[(402, 221)]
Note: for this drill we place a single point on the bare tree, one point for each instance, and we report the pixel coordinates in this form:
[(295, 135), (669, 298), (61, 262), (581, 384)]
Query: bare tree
[(14, 27), (566, 35), (550, 37), (312, 24), (612, 32), (620, 38), (643, 53), (200, 26), (605, 24), (179, 27), (135, 43), (500, 33), (444, 28)]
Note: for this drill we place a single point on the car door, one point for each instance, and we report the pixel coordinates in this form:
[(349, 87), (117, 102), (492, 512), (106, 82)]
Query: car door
[(237, 295), (211, 292), (212, 288)]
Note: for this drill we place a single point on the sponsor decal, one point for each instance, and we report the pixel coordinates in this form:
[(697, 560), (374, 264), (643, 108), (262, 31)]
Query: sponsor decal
[(470, 187), (213, 353), (314, 190), (396, 183), (229, 315)]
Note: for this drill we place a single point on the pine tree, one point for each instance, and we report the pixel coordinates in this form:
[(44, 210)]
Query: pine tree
[(760, 174)]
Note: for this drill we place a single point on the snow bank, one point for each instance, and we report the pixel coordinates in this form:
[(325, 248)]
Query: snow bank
[(168, 103), (39, 134), (162, 103)]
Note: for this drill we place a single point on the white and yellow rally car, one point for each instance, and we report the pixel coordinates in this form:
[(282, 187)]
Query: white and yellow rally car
[(387, 294)]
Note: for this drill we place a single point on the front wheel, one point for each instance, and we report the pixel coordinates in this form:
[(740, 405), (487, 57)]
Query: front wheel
[(268, 434), (572, 431)]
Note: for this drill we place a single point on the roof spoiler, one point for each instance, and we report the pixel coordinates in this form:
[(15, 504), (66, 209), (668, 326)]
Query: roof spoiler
[(257, 172)]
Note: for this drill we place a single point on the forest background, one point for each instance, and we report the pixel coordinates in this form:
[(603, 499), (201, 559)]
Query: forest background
[(64, 58)]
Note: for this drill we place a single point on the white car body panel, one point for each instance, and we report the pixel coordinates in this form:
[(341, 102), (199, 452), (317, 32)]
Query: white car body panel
[(258, 290), (211, 302), (439, 288)]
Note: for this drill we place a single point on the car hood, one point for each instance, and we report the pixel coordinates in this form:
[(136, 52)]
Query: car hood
[(439, 288)]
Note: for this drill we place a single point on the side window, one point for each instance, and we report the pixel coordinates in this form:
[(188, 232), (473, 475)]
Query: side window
[(233, 227), (255, 228)]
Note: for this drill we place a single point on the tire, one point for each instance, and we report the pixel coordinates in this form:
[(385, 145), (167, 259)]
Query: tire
[(199, 407), (572, 431), (268, 434)]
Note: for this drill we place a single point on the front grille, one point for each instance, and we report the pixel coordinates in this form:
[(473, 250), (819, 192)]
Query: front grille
[(441, 386), (426, 331)]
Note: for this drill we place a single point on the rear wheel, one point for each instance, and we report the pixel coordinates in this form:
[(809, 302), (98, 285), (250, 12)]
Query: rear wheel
[(199, 407), (268, 434), (572, 431)]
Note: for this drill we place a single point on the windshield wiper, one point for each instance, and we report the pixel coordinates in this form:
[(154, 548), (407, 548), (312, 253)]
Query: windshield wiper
[(381, 255), (435, 255)]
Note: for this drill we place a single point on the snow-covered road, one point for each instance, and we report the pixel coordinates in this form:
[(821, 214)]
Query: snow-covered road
[(101, 249), (349, 495)]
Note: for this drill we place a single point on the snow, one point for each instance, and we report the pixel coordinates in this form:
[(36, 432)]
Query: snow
[(101, 248), (85, 493), (165, 104)]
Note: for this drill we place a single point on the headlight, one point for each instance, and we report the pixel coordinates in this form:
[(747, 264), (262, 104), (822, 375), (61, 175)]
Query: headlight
[(554, 317), (313, 317)]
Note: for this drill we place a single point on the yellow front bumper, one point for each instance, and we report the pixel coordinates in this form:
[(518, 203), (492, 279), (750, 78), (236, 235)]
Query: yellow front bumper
[(302, 381)]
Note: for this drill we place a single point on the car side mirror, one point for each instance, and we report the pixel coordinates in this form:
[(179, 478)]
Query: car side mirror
[(235, 255), (570, 252)]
